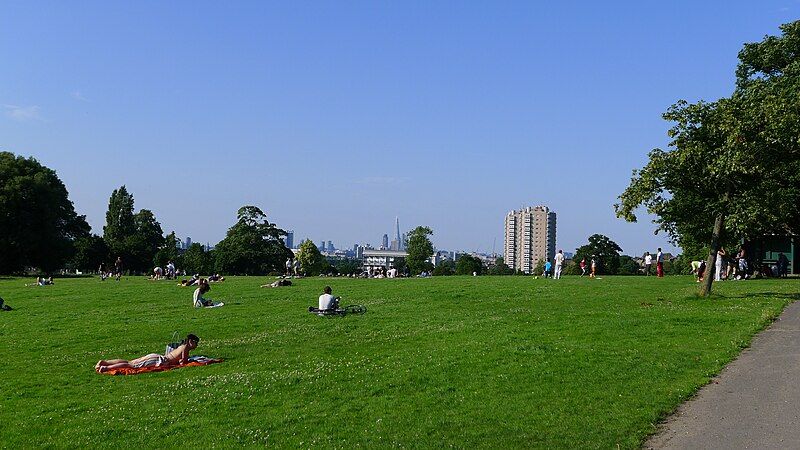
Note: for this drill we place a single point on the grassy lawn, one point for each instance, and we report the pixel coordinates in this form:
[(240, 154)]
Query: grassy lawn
[(493, 362)]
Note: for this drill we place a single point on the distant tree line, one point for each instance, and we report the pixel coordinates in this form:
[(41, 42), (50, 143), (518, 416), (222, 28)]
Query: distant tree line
[(40, 231)]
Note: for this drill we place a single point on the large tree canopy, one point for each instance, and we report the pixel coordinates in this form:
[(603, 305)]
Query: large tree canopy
[(419, 250), (252, 246), (733, 168), (38, 223), (604, 250)]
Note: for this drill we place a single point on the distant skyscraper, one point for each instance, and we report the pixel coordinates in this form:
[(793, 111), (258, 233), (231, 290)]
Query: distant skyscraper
[(188, 242), (397, 232), (289, 240), (530, 237), (322, 246), (385, 242), (330, 247)]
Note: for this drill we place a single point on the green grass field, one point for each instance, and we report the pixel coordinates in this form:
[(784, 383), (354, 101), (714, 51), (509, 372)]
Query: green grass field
[(492, 362)]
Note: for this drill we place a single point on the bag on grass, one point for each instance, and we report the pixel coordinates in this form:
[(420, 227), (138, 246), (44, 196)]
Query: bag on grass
[(174, 344)]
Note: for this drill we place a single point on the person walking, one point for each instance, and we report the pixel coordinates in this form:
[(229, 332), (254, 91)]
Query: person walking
[(559, 263), (648, 262), (660, 263), (593, 273), (118, 268), (583, 266)]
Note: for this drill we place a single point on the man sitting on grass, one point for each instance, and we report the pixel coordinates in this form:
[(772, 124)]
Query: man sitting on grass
[(197, 300), (176, 357), (327, 301)]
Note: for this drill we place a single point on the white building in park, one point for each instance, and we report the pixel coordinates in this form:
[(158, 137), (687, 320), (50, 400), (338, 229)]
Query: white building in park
[(381, 258)]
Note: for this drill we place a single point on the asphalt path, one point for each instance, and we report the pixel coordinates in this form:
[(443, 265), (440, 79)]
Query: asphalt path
[(754, 403)]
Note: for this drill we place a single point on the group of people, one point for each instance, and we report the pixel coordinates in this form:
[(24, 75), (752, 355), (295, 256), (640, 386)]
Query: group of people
[(115, 272), (558, 263), (170, 273), (648, 263)]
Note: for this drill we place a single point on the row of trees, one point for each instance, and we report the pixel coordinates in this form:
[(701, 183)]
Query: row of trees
[(40, 230)]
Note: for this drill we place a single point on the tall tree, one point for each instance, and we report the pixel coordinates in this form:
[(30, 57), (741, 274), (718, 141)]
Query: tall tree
[(120, 222), (419, 250), (145, 241), (311, 260), (252, 245), (733, 170), (604, 249), (38, 223)]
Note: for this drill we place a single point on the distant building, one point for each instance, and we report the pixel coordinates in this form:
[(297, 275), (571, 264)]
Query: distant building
[(568, 255), (188, 242), (321, 246), (530, 236), (380, 258), (289, 240), (385, 242), (330, 248)]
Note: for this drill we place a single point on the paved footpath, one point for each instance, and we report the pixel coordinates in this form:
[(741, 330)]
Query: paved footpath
[(753, 404)]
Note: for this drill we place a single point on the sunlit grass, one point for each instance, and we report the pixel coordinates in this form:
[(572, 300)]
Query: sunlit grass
[(464, 361)]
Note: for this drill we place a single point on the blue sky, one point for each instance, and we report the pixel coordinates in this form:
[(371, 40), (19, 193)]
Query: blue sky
[(335, 117)]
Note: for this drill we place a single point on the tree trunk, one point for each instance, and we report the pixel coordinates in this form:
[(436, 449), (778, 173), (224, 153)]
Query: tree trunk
[(711, 262)]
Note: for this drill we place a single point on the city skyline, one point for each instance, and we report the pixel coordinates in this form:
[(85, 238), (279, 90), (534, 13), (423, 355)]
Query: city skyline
[(427, 111)]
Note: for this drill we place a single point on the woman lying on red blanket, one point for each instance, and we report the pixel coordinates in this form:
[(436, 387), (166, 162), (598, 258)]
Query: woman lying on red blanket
[(178, 356)]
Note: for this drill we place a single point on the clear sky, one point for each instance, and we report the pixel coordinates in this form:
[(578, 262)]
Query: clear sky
[(335, 117)]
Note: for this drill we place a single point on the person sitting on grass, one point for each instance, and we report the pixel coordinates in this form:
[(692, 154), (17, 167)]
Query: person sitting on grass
[(198, 301), (327, 301), (216, 278), (176, 357)]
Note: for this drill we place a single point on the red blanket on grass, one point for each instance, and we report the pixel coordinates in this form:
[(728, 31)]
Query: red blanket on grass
[(194, 361)]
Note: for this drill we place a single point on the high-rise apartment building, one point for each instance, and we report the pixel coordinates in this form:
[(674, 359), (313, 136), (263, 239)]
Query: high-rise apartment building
[(530, 236)]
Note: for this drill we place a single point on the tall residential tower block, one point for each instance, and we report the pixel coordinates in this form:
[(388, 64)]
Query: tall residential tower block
[(530, 236)]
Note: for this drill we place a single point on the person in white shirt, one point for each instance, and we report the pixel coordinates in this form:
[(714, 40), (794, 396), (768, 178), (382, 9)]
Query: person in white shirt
[(660, 263), (328, 301), (197, 300), (559, 263), (648, 261)]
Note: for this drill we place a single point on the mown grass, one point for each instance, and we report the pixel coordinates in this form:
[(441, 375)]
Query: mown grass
[(493, 362)]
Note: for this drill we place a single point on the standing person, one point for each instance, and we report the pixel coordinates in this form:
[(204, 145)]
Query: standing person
[(118, 268), (593, 273), (102, 270), (648, 261), (743, 269), (288, 267), (718, 264), (296, 267), (783, 266), (547, 267), (660, 263), (583, 266), (171, 270), (559, 263)]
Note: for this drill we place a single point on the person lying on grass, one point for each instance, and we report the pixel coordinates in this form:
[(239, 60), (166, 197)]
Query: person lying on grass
[(42, 281), (278, 283), (176, 357)]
